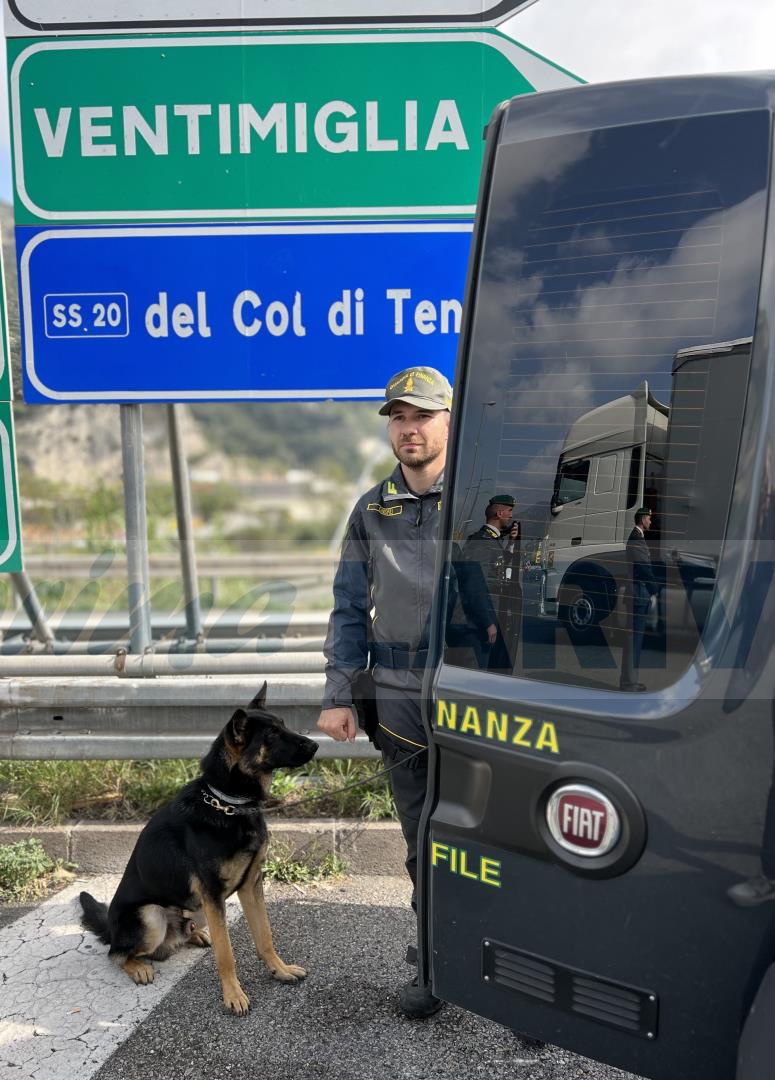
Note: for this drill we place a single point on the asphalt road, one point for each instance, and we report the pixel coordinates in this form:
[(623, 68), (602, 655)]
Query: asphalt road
[(85, 1018)]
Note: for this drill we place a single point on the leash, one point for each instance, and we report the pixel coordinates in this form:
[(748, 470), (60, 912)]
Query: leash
[(281, 804), (272, 806), (355, 832), (234, 805)]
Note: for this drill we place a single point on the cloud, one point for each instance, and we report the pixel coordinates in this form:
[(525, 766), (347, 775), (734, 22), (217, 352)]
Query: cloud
[(575, 313), (604, 40)]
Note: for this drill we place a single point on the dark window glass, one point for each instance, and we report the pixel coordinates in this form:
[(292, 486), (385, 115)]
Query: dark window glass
[(635, 474), (572, 480), (607, 372)]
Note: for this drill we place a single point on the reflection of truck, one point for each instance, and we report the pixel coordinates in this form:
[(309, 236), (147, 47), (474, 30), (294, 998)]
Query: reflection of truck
[(636, 451), (611, 457)]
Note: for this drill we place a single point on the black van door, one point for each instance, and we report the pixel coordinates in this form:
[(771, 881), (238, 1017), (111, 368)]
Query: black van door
[(596, 853)]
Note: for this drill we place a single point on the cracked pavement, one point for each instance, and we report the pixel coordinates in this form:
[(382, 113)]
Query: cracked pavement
[(66, 1012), (65, 1009)]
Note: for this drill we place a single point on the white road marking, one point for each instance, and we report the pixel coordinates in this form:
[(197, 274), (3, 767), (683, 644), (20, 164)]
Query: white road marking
[(64, 1008)]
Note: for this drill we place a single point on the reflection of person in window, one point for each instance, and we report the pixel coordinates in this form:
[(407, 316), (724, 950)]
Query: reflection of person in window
[(491, 557), (753, 653), (641, 586), (760, 888)]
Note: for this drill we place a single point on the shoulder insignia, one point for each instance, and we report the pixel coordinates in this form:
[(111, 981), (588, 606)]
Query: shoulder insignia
[(438, 505), (387, 511)]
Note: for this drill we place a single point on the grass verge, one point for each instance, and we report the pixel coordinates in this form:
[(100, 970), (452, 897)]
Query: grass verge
[(37, 793)]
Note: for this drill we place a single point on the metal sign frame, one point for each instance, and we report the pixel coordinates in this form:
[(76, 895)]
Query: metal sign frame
[(27, 17)]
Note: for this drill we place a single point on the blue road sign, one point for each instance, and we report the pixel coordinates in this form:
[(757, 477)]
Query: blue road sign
[(236, 312)]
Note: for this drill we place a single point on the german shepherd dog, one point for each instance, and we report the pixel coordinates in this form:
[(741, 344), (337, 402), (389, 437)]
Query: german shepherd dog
[(208, 843)]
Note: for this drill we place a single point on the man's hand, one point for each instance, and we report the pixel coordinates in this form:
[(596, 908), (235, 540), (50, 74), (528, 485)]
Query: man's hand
[(492, 633), (339, 723)]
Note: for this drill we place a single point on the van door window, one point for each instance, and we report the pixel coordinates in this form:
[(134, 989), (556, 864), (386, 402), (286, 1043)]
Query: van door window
[(613, 312)]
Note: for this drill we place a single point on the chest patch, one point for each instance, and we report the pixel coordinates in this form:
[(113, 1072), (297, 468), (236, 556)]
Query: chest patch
[(387, 511)]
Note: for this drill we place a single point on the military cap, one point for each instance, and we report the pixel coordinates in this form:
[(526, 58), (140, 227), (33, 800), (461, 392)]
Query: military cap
[(505, 500), (424, 387), (642, 511)]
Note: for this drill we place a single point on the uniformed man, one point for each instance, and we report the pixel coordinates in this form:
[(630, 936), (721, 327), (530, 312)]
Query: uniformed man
[(640, 588), (383, 590), (490, 584)]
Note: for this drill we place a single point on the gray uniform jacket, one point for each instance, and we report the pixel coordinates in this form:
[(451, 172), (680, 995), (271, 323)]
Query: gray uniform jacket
[(383, 589)]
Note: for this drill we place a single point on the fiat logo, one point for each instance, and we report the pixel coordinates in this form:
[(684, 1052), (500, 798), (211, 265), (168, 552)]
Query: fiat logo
[(583, 820)]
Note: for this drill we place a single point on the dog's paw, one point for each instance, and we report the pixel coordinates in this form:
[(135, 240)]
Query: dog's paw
[(288, 973), (201, 938), (139, 971), (236, 1001)]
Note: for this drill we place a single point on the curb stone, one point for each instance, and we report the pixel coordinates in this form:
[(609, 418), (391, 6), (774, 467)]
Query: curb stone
[(104, 847)]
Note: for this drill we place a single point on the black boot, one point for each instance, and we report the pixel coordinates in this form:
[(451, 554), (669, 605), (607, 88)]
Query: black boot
[(529, 1042), (417, 1002)]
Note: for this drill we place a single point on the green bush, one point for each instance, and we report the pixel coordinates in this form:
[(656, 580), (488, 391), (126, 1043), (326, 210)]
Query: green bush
[(22, 866), (320, 793), (377, 804), (301, 867)]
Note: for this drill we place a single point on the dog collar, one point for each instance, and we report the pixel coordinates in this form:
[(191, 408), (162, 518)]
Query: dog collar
[(229, 804)]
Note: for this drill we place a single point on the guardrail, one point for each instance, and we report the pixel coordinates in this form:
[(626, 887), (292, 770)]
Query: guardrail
[(81, 695), (304, 578), (250, 628), (262, 565), (83, 718), (307, 572)]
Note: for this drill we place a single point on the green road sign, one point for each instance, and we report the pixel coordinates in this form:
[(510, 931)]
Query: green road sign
[(266, 126), (10, 532), (6, 387)]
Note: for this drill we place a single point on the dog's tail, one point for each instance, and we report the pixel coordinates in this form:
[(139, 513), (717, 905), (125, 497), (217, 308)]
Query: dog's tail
[(95, 917)]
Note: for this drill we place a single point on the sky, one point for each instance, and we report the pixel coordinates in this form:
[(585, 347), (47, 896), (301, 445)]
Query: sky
[(603, 40)]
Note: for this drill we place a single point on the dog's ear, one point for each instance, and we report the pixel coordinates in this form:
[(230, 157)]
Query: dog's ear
[(237, 729), (259, 701)]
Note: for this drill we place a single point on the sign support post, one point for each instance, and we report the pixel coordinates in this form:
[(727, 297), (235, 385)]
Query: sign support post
[(138, 570), (31, 604), (182, 487)]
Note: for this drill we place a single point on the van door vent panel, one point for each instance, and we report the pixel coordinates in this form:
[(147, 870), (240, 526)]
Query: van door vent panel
[(601, 1001), (525, 975), (624, 1007)]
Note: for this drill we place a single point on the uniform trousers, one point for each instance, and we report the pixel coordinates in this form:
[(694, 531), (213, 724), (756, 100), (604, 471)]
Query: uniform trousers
[(637, 611), (400, 735)]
